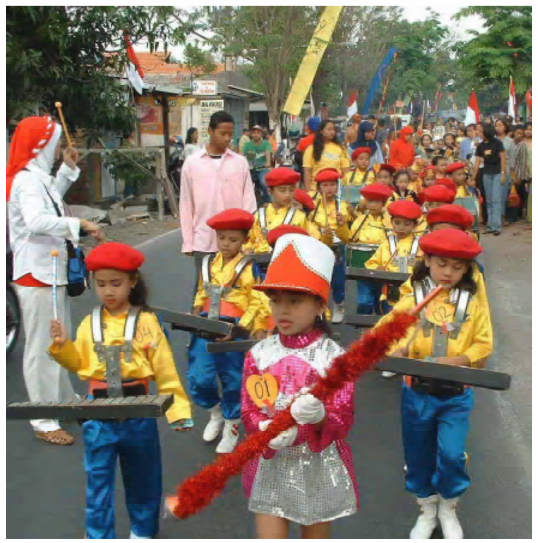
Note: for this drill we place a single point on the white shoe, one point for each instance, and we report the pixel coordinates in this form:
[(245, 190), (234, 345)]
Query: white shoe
[(215, 424), (339, 312), (134, 536), (230, 435), (427, 520), (449, 520), (387, 374)]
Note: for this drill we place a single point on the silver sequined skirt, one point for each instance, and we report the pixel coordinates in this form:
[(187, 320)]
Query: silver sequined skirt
[(304, 487)]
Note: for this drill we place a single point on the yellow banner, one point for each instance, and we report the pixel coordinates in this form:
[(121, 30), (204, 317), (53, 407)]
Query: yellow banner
[(314, 54)]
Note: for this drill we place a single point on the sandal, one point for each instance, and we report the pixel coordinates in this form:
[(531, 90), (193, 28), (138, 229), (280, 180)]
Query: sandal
[(56, 437)]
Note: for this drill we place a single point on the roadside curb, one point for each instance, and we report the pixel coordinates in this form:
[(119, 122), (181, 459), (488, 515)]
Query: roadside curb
[(156, 238)]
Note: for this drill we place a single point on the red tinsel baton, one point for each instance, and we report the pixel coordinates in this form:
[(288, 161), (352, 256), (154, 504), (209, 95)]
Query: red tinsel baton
[(201, 489)]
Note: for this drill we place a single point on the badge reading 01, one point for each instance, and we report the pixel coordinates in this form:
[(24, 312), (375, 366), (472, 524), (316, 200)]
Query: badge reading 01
[(263, 390)]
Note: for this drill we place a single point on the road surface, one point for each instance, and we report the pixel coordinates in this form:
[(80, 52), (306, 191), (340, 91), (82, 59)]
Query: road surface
[(45, 484)]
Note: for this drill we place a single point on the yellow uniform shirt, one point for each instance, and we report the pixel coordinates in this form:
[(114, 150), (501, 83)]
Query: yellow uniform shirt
[(475, 339), (333, 156), (383, 255), (481, 293), (415, 186), (463, 192), (257, 242), (359, 178), (242, 296), (152, 357), (369, 229), (327, 219)]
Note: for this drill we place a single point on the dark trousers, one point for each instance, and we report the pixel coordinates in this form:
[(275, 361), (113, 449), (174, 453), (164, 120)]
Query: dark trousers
[(198, 257), (480, 185)]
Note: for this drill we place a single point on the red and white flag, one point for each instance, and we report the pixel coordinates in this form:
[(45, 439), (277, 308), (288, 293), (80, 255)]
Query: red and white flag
[(528, 98), (512, 99), (473, 112), (352, 106), (134, 70)]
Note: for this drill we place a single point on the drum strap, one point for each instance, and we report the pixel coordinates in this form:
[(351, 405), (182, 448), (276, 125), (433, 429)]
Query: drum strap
[(393, 244), (462, 299), (110, 355), (366, 215), (316, 210), (216, 292), (262, 217), (414, 247)]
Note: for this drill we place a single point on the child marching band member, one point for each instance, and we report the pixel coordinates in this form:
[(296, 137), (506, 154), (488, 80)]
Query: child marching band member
[(427, 176), (455, 329), (282, 183), (332, 218), (415, 182), (448, 183), (457, 172), (124, 320), (401, 182), (227, 282), (430, 198), (370, 228), (306, 474), (399, 252), (440, 163), (362, 174)]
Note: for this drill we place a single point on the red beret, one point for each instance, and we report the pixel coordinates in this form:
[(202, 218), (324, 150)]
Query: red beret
[(405, 209), (114, 256), (282, 176), (305, 199), (407, 130), (276, 233), (377, 191), (231, 219), (437, 193), (450, 244), (329, 174), (451, 214), (455, 166), (448, 183), (360, 151), (388, 167)]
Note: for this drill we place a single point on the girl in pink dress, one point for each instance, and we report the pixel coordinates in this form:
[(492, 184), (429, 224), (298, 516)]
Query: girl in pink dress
[(306, 474)]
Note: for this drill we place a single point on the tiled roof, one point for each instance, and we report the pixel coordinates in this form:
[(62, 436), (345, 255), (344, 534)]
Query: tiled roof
[(157, 63)]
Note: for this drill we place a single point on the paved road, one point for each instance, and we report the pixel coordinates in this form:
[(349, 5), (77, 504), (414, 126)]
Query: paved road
[(45, 484)]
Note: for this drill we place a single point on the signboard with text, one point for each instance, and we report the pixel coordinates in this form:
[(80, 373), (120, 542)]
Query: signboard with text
[(207, 108), (204, 88)]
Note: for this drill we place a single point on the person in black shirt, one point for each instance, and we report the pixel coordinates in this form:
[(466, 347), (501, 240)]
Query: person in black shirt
[(491, 154)]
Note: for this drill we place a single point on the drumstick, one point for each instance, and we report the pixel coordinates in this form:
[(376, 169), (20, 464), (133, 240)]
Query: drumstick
[(390, 259), (62, 120), (381, 227)]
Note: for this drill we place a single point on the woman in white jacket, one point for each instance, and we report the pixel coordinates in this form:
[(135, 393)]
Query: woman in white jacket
[(35, 229)]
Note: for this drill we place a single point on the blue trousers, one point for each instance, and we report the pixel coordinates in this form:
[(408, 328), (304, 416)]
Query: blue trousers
[(494, 200), (135, 442), (204, 368), (434, 431), (338, 279), (368, 294)]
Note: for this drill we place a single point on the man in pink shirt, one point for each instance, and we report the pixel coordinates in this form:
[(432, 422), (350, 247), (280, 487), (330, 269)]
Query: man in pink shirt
[(212, 180)]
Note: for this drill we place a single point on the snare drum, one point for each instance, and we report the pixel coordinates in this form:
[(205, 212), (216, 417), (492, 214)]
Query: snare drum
[(359, 254)]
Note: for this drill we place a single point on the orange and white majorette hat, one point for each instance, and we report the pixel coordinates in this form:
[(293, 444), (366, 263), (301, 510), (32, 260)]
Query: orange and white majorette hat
[(300, 263)]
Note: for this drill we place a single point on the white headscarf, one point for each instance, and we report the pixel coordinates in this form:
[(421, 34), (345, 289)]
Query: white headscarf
[(45, 159)]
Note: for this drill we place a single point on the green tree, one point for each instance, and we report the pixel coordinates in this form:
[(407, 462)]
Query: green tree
[(76, 55), (270, 40), (503, 50)]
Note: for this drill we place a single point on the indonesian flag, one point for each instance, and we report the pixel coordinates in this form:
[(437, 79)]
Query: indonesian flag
[(352, 106), (473, 113), (134, 70), (512, 100)]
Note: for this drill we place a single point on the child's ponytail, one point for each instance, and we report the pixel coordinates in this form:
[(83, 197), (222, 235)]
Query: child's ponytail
[(139, 293)]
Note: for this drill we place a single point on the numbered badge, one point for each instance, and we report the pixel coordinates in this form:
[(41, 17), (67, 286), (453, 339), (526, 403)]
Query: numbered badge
[(263, 390)]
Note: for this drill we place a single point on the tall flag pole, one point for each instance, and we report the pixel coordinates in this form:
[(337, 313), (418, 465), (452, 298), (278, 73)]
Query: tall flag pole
[(377, 80), (512, 99), (310, 63), (386, 86), (473, 111)]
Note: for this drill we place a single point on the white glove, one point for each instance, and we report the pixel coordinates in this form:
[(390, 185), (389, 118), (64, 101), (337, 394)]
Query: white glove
[(284, 439), (307, 409)]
